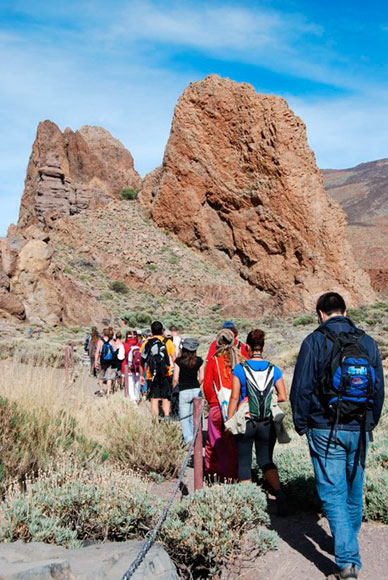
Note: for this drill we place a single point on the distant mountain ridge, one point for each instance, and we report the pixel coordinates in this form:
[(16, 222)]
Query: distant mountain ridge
[(362, 192)]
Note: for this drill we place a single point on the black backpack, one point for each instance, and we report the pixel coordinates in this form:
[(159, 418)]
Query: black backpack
[(157, 358), (348, 385)]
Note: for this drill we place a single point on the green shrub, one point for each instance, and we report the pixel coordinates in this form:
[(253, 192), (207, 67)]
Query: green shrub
[(143, 318), (68, 270), (73, 505), (129, 194), (107, 296), (151, 267), (297, 476), (119, 287), (357, 314), (130, 319), (174, 260), (376, 494), (210, 527), (303, 320)]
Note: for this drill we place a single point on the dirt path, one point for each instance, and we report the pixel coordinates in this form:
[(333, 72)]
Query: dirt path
[(306, 551)]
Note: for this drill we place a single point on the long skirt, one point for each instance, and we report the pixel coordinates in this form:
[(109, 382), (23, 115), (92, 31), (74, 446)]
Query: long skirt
[(220, 449)]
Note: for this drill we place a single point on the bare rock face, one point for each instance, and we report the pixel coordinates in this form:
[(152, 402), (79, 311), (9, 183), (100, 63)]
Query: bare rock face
[(33, 287), (72, 171), (239, 182), (362, 192)]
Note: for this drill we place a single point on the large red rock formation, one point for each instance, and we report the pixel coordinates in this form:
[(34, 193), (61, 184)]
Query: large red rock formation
[(239, 182), (72, 171)]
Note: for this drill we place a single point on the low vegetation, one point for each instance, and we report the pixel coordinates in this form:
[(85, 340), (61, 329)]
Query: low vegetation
[(69, 504), (119, 287), (129, 194), (211, 527), (204, 533), (42, 418)]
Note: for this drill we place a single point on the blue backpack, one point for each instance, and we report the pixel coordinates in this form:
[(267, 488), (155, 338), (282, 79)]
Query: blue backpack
[(107, 352), (348, 386)]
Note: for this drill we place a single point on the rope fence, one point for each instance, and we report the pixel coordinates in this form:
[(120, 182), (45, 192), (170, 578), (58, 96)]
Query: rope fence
[(152, 537)]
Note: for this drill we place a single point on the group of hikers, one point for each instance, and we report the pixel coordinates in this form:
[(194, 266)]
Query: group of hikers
[(336, 396)]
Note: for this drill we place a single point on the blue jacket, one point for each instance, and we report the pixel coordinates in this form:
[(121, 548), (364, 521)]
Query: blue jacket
[(307, 408)]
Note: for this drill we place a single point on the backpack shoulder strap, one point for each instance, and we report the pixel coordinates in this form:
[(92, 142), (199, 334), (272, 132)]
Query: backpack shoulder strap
[(327, 333), (250, 373)]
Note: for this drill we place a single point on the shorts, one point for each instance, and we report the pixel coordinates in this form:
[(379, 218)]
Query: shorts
[(106, 373), (160, 389)]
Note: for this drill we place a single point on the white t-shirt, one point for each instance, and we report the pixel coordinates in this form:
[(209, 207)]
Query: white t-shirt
[(120, 352), (177, 340)]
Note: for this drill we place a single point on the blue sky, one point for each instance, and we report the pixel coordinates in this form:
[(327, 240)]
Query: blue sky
[(123, 64)]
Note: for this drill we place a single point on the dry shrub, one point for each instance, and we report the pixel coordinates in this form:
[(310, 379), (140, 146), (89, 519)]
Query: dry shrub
[(29, 442), (136, 441), (213, 526), (69, 504), (124, 431)]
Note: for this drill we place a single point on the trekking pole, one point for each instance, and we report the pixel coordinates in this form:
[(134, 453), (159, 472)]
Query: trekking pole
[(198, 457), (126, 381)]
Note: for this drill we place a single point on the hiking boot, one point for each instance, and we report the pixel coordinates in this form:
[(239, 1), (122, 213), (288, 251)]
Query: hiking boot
[(281, 503), (349, 573)]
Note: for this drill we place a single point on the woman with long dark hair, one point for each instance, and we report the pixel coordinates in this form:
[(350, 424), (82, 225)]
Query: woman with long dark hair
[(220, 449), (92, 346), (188, 374), (256, 379)]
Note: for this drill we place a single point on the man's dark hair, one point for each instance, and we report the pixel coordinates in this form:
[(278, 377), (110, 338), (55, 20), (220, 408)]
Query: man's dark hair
[(331, 302), (173, 328), (157, 328)]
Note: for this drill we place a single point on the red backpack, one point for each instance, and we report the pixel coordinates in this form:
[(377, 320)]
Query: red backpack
[(134, 357)]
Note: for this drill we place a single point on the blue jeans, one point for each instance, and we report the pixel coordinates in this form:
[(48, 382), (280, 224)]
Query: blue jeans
[(186, 412), (339, 478)]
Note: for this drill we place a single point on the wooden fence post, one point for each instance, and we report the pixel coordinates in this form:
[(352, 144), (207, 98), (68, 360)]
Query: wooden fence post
[(126, 381), (198, 455)]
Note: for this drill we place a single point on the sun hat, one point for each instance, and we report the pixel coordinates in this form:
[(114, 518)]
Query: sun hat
[(190, 344)]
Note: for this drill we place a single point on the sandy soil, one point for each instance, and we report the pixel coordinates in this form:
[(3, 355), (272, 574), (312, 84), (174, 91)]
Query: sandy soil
[(306, 551)]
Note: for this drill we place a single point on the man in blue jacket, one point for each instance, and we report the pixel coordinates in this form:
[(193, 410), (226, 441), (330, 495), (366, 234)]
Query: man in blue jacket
[(335, 446)]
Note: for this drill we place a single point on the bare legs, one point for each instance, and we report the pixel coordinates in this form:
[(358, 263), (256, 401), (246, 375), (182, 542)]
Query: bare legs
[(166, 406)]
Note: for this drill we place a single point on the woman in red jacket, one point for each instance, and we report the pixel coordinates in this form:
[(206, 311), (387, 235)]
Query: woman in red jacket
[(220, 449)]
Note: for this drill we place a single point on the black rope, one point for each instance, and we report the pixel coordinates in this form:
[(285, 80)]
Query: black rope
[(152, 537)]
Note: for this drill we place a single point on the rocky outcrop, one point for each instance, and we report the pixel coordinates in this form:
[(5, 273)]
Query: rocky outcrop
[(72, 171), (239, 182), (33, 287), (38, 561)]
